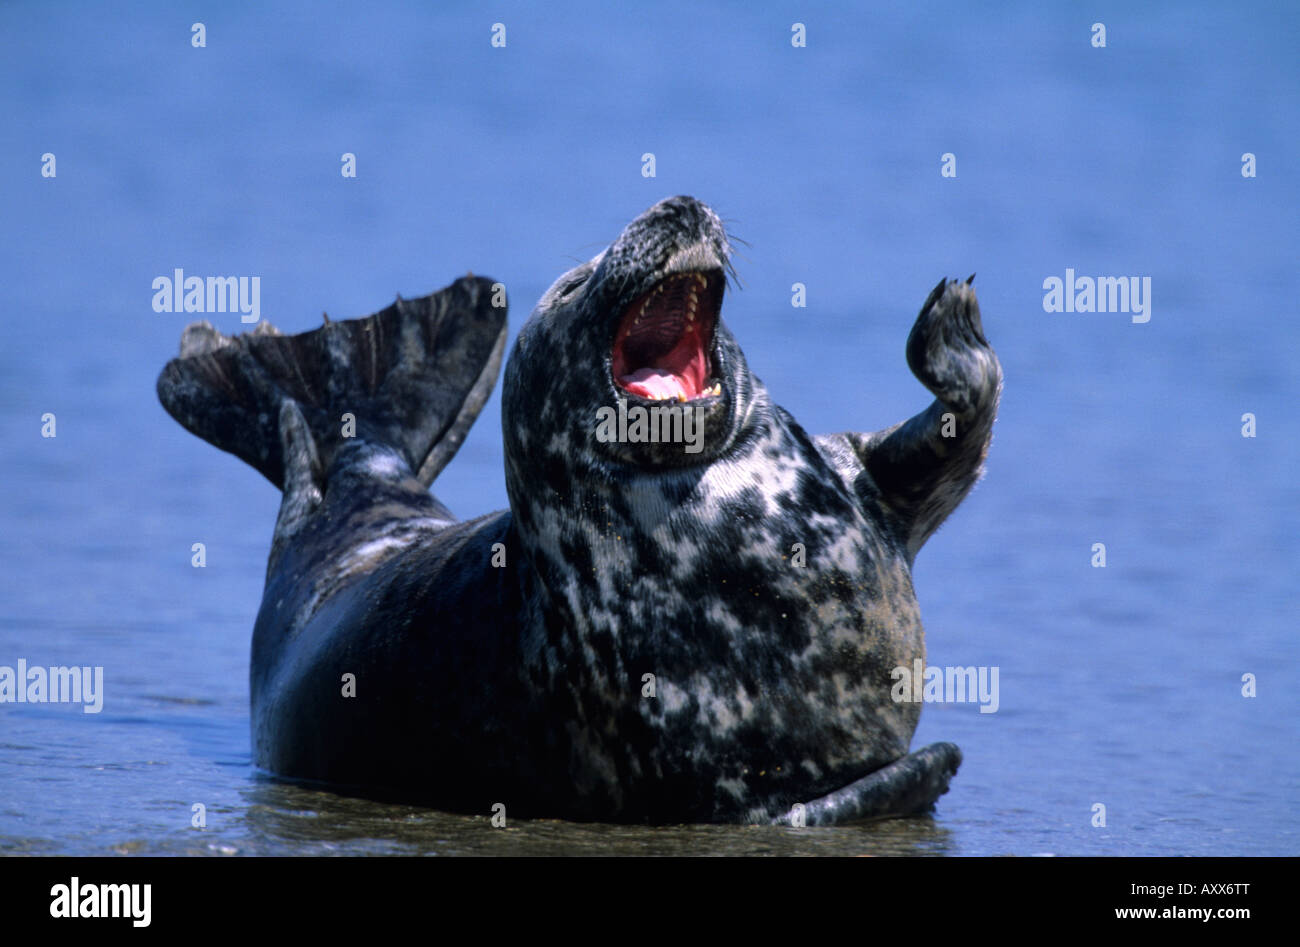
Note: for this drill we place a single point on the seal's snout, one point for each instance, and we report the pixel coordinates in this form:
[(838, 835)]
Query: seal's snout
[(664, 337), (667, 269), (677, 235)]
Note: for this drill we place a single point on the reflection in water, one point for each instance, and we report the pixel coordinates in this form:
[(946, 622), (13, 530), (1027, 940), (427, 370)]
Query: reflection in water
[(282, 817)]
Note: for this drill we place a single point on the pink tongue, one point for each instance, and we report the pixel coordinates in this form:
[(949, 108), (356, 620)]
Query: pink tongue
[(654, 383)]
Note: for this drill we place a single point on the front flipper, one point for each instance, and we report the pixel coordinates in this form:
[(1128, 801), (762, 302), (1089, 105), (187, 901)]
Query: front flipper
[(921, 469), (905, 787)]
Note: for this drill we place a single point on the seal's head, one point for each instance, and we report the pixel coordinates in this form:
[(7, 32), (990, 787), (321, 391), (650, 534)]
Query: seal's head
[(635, 329)]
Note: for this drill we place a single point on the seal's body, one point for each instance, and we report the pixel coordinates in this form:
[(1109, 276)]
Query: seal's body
[(699, 627)]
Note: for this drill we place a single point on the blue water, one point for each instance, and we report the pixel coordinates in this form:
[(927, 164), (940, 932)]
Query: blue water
[(1120, 686)]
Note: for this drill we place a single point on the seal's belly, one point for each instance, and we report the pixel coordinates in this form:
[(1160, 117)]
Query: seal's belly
[(709, 679)]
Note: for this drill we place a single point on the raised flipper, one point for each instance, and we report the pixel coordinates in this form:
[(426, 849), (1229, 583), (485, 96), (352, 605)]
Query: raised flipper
[(907, 786), (921, 469), (413, 376)]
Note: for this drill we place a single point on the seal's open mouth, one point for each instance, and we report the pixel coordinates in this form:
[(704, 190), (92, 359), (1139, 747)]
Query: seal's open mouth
[(662, 346)]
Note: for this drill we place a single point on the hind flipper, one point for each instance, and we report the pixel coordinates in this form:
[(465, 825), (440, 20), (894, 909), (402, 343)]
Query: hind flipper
[(413, 376), (907, 786), (445, 445), (303, 479)]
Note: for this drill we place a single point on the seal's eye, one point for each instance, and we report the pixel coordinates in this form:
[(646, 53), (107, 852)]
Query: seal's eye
[(573, 285)]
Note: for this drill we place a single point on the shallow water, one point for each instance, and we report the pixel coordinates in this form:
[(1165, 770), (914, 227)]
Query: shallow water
[(1119, 686)]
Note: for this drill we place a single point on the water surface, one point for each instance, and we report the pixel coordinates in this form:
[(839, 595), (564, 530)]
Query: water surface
[(1119, 686)]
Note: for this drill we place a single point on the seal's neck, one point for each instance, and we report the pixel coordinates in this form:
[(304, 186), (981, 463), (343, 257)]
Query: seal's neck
[(595, 529)]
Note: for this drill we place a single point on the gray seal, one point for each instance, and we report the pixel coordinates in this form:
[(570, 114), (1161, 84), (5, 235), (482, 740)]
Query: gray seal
[(691, 610)]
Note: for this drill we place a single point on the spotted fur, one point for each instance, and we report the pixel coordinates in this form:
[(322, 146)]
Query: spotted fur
[(674, 636)]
